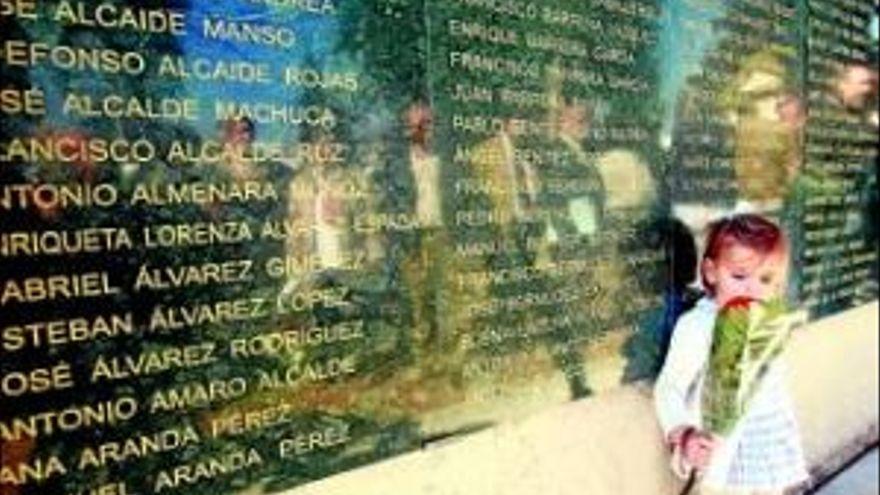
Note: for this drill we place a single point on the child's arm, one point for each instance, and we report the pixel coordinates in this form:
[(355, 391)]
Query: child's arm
[(675, 388)]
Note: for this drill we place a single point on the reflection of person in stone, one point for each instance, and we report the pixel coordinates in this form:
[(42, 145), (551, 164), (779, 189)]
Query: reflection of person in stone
[(762, 106), (851, 102), (424, 166), (570, 198), (511, 181), (854, 87), (768, 119), (423, 265), (237, 136), (319, 210), (579, 212)]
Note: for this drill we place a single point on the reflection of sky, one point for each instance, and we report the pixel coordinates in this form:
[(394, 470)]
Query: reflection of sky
[(685, 37), (315, 41), (874, 28)]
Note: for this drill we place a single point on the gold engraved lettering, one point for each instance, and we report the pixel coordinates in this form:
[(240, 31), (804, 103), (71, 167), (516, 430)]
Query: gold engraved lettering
[(147, 363), (344, 188), (632, 84), (196, 234), (329, 153), (465, 154), (530, 300), (631, 34), (482, 218), (214, 152), (477, 249), (20, 53), (175, 277), (36, 381), (490, 124), (368, 223), (56, 287), (478, 124), (202, 193), (313, 79), (120, 107), (72, 418), (499, 366), (292, 341), (510, 8), (204, 69), (536, 329), (36, 471), (836, 13), (477, 62), (239, 422), (278, 267), (71, 149), (280, 230), (58, 242), (208, 469), (556, 44), (583, 77), (113, 16), (209, 152), (61, 332), (477, 31), (467, 187), (272, 113), (571, 186), (324, 7), (470, 93), (246, 32), (317, 370), (296, 301), (614, 55), (561, 17), (56, 196), (317, 440), (169, 318), (138, 447), (23, 9), (192, 395), (633, 9), (30, 102)]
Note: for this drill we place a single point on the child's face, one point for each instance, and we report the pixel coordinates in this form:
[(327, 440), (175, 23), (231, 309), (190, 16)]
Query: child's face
[(740, 271)]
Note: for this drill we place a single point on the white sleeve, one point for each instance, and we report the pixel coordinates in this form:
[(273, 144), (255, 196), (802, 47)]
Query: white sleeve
[(687, 355)]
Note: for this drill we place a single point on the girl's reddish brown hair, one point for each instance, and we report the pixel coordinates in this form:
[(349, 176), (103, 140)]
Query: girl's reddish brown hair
[(752, 231)]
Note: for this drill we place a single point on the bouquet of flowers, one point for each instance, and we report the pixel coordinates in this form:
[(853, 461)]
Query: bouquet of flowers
[(748, 336)]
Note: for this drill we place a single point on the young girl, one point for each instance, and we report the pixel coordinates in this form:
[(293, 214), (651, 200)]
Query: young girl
[(746, 256)]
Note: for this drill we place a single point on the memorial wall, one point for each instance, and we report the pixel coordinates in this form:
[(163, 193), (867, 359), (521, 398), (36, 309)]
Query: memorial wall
[(248, 244)]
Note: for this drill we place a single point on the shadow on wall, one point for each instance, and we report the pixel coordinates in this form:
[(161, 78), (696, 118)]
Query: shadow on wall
[(646, 349)]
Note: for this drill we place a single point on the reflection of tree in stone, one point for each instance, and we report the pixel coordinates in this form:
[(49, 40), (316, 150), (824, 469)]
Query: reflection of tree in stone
[(840, 170), (731, 144), (562, 225), (60, 85), (316, 406), (389, 36), (419, 264), (733, 100), (327, 202)]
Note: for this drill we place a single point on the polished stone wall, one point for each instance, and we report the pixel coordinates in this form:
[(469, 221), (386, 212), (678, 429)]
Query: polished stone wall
[(245, 245)]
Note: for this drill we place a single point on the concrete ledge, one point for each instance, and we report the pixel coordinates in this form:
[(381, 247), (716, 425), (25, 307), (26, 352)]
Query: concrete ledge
[(610, 444)]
